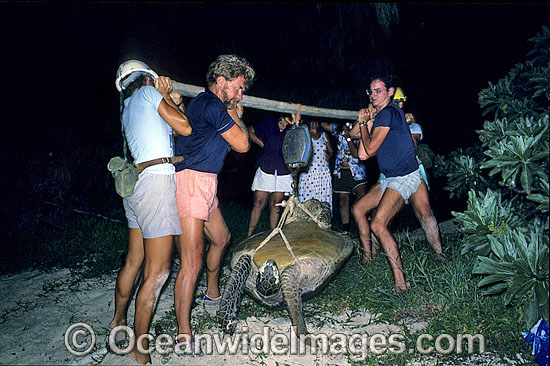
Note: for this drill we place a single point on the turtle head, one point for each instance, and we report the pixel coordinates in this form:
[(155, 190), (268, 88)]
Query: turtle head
[(321, 211), (268, 281)]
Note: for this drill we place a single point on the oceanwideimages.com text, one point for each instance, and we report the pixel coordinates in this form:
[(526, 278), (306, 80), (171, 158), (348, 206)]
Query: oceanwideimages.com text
[(80, 340)]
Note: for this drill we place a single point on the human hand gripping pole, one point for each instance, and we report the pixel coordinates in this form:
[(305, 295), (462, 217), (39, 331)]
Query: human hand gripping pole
[(164, 85), (364, 115)]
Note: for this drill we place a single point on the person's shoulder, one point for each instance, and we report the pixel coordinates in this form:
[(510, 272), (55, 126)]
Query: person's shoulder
[(148, 89), (388, 111), (395, 112), (149, 93), (202, 97), (206, 101), (394, 109), (212, 101), (415, 127)]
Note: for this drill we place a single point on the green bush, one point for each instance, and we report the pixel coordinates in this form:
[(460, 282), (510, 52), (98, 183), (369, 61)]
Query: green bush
[(506, 220), (462, 168)]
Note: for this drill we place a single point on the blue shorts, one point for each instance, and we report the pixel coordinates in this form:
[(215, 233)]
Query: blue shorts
[(406, 185), (152, 208)]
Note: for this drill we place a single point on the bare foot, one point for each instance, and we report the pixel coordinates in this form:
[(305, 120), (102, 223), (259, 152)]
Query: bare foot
[(399, 289), (115, 323), (120, 336), (140, 358), (368, 254), (440, 257), (366, 257)]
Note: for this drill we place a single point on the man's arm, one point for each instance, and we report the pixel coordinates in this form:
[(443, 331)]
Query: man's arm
[(416, 138), (354, 132), (237, 136), (351, 145), (371, 144), (254, 138), (178, 100), (168, 110)]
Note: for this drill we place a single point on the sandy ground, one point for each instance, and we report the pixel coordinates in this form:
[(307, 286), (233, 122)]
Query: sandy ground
[(37, 308)]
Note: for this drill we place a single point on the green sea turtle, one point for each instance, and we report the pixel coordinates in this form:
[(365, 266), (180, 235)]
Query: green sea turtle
[(280, 273)]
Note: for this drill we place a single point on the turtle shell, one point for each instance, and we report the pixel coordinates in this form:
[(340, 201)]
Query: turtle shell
[(318, 252)]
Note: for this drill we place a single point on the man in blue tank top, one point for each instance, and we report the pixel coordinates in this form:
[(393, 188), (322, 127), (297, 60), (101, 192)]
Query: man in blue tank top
[(388, 137)]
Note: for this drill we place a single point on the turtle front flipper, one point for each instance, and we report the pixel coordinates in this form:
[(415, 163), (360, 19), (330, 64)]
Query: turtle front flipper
[(290, 283), (233, 294)]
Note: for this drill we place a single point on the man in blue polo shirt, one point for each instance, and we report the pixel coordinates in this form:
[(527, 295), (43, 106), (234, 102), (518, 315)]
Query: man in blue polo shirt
[(388, 136), (215, 117)]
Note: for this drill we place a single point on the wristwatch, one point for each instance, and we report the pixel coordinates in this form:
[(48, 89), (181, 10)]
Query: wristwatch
[(348, 139), (362, 123)]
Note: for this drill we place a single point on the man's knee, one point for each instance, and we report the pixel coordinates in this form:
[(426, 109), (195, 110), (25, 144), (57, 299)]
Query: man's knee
[(156, 279), (357, 212), (223, 241), (423, 212), (133, 262), (377, 227)]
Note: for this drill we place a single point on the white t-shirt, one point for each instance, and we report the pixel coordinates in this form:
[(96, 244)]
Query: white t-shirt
[(416, 128), (149, 136)]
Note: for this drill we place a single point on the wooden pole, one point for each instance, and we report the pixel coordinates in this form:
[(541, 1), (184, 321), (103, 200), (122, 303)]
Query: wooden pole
[(273, 105)]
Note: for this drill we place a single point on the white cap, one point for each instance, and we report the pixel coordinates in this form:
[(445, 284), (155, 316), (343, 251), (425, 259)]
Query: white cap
[(135, 67)]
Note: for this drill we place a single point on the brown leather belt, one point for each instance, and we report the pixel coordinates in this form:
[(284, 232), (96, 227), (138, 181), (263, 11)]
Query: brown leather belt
[(146, 164)]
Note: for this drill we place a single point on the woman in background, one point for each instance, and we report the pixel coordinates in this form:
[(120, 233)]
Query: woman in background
[(316, 181)]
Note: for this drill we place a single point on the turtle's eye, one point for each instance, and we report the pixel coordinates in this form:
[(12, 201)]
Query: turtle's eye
[(267, 282)]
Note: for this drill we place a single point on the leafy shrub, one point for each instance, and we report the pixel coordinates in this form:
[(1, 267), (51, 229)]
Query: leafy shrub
[(506, 221), (462, 168)]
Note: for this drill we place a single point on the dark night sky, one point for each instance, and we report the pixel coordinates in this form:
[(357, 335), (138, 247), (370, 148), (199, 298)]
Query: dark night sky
[(59, 60)]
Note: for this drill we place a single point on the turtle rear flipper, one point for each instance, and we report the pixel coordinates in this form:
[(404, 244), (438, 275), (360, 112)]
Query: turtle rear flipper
[(233, 294), (290, 283)]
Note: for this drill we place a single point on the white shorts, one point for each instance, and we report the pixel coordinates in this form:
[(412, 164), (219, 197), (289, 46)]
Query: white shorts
[(406, 185), (153, 208), (272, 182)]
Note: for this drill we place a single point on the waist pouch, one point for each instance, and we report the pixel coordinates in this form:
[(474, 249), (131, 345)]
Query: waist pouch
[(125, 174)]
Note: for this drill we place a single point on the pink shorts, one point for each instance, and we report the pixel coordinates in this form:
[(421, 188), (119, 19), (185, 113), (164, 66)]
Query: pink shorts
[(196, 194)]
